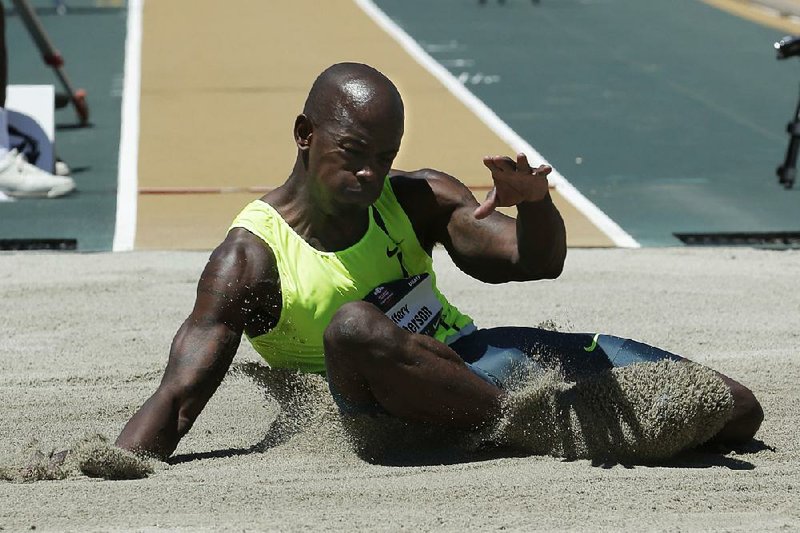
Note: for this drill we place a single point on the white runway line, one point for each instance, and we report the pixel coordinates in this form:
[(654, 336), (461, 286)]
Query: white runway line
[(602, 221), (128, 164)]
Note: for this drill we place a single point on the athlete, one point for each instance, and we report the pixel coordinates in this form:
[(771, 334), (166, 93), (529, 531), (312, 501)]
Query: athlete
[(332, 273)]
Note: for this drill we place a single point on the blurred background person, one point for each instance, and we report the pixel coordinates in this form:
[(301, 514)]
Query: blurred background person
[(18, 178)]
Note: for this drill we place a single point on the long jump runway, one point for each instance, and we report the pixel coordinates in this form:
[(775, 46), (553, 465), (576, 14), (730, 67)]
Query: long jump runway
[(665, 119), (85, 337)]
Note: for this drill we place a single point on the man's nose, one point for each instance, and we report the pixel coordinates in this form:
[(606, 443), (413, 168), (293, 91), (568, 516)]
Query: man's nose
[(367, 172)]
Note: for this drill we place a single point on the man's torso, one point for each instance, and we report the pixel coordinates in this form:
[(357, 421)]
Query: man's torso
[(313, 284)]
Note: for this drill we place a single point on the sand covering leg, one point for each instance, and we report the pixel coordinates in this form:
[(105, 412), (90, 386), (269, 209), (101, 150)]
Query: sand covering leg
[(643, 412)]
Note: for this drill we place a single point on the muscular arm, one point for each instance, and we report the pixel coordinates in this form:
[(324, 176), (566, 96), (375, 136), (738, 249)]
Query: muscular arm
[(494, 249), (204, 346)]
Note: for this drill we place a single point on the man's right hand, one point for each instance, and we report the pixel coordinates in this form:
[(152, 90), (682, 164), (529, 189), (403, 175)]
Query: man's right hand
[(200, 357), (204, 346)]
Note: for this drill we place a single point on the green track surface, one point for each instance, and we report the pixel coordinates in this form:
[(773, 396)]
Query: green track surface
[(676, 110), (91, 38)]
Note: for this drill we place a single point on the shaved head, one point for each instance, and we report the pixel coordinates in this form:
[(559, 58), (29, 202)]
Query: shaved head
[(348, 136), (345, 91)]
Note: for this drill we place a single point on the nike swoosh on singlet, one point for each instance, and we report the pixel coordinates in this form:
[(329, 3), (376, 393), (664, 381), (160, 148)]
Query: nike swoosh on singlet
[(392, 253), (592, 346)]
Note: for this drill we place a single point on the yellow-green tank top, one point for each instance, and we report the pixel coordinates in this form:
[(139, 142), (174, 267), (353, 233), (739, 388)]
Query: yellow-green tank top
[(315, 284)]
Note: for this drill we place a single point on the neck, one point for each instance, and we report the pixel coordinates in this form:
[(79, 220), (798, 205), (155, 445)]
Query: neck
[(324, 225)]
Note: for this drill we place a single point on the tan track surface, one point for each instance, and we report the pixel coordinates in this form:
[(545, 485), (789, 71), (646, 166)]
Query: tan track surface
[(754, 11), (221, 87)]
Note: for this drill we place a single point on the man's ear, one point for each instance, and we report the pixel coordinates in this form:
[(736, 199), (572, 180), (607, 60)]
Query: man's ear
[(303, 129)]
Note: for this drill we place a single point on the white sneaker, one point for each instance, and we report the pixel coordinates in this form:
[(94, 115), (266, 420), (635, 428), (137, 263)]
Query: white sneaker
[(20, 179), (61, 168)]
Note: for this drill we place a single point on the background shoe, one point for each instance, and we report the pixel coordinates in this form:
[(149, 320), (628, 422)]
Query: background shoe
[(61, 168), (20, 179)]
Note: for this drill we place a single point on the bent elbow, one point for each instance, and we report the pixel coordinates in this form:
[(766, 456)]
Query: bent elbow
[(549, 273), (551, 270), (555, 268), (556, 265)]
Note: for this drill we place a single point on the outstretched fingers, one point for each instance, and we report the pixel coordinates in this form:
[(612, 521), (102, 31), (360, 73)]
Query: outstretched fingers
[(499, 164), (516, 181), (522, 164)]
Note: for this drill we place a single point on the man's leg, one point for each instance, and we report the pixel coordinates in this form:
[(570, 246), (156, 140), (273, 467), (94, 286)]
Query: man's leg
[(580, 354), (371, 361), (747, 413)]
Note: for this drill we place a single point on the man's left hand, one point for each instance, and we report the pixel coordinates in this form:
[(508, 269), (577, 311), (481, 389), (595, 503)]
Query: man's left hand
[(514, 183)]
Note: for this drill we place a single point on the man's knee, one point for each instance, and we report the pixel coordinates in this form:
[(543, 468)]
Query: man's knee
[(352, 325), (361, 333)]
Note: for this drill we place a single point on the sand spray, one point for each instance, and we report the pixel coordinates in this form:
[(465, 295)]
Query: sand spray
[(640, 413)]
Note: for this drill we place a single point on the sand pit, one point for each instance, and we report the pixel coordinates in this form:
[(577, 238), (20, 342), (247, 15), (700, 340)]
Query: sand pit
[(85, 338)]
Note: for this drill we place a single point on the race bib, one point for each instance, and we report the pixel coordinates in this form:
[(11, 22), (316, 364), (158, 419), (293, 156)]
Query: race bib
[(410, 303)]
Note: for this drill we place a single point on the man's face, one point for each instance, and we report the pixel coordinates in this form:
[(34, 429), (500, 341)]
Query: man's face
[(350, 157)]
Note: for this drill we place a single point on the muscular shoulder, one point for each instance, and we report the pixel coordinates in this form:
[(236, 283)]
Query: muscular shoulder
[(240, 282), (435, 185), (429, 197), (243, 256)]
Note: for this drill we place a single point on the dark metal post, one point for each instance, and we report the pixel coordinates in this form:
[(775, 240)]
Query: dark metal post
[(52, 57)]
